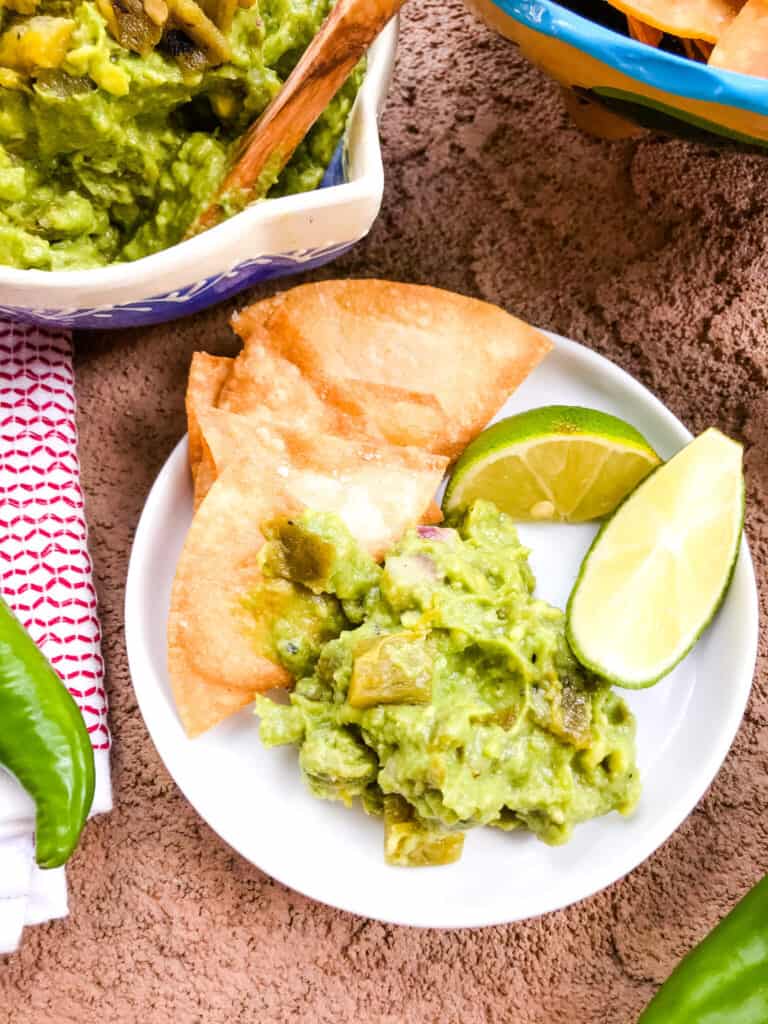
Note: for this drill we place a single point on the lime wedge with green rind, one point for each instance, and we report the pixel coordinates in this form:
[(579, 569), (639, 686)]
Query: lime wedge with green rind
[(660, 568), (559, 462)]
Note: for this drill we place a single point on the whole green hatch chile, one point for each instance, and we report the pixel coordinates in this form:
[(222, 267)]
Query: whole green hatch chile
[(724, 980), (43, 742)]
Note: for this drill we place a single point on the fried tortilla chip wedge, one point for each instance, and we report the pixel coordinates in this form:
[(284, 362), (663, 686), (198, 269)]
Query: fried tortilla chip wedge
[(276, 386), (744, 44), (228, 436), (414, 365), (704, 48), (691, 19), (262, 378), (395, 414), (207, 376), (217, 436), (214, 658), (214, 661), (644, 33), (697, 49), (201, 705)]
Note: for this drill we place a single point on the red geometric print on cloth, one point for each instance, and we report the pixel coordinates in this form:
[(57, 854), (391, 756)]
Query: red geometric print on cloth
[(45, 569)]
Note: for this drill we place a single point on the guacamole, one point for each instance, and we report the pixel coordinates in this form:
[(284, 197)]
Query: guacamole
[(117, 118), (436, 688)]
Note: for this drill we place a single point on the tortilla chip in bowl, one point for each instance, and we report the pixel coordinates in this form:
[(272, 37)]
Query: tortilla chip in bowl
[(743, 45)]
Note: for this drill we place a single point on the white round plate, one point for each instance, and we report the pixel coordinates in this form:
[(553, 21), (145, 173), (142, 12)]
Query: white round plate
[(255, 798)]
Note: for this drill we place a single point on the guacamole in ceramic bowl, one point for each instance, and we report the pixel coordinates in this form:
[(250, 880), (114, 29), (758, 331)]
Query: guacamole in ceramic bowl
[(437, 688), (117, 118)]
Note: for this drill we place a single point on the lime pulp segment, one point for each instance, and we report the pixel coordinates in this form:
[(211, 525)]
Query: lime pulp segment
[(562, 463), (660, 567)]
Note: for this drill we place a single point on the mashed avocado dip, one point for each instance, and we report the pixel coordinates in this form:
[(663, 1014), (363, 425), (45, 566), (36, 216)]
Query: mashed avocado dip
[(437, 688), (109, 149)]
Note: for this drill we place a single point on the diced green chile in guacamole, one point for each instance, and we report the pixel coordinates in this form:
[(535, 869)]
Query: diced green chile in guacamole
[(469, 708), (108, 154)]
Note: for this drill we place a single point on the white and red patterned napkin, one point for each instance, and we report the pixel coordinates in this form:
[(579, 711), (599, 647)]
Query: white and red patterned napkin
[(45, 576)]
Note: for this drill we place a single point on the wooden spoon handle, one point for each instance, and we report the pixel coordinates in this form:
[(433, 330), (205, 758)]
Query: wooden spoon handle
[(269, 143)]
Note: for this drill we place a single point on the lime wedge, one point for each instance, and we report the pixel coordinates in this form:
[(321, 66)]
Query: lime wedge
[(559, 462), (660, 567)]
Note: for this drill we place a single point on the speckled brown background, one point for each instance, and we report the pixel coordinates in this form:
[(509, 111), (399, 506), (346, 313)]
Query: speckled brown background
[(652, 252)]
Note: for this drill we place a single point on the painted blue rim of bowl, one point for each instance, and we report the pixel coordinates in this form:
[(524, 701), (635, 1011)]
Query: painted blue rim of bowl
[(655, 68)]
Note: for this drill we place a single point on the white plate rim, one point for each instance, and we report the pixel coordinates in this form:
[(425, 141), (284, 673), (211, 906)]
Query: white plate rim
[(142, 670)]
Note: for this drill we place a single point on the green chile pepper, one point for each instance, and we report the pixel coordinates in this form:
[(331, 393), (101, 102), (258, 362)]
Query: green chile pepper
[(43, 742), (724, 980)]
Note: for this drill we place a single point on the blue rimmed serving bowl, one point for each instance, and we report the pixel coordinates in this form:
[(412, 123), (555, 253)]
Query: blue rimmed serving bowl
[(624, 82), (268, 240)]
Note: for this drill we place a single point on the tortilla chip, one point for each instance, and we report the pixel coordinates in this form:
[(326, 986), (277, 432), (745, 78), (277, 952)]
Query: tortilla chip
[(423, 366), (697, 49), (227, 436), (214, 661), (692, 19), (262, 379), (228, 433), (434, 514), (744, 44), (379, 492), (206, 377), (204, 477), (265, 379), (644, 33), (705, 48), (394, 414), (202, 705)]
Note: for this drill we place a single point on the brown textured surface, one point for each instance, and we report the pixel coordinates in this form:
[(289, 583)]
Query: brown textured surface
[(654, 253)]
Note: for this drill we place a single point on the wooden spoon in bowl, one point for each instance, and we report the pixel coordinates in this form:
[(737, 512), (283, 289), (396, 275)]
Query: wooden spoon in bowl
[(269, 143)]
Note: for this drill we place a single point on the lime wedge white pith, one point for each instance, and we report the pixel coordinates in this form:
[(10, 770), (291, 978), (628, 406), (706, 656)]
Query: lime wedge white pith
[(660, 567), (557, 462)]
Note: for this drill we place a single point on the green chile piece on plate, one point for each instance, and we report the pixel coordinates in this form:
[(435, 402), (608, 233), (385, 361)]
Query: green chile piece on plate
[(315, 550), (43, 742), (392, 670), (409, 843)]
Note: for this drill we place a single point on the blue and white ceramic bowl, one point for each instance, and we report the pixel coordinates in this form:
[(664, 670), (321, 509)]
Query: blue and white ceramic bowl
[(624, 83), (268, 240)]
